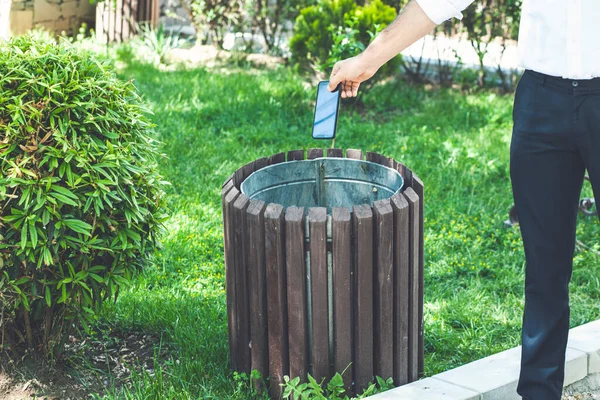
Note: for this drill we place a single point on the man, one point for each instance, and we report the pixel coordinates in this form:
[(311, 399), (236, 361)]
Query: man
[(555, 137)]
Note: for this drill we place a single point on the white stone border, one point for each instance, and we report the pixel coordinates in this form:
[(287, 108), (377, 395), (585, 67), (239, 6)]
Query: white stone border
[(495, 377)]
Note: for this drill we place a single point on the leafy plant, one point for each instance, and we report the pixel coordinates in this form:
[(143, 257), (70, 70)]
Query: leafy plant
[(81, 201), (345, 44), (252, 385), (334, 390), (157, 41), (313, 37)]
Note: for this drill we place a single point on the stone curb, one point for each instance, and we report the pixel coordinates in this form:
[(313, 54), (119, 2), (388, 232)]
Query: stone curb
[(495, 377)]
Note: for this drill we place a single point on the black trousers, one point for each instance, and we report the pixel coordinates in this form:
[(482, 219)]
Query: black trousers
[(556, 136)]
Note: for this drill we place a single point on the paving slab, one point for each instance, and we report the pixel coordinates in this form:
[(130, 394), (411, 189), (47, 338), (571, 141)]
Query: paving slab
[(495, 376), (587, 338), (428, 389), (576, 365)]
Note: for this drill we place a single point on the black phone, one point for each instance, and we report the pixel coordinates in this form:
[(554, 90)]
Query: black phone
[(326, 111)]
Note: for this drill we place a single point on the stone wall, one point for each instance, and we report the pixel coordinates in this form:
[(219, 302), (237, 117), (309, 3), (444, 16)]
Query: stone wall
[(54, 15)]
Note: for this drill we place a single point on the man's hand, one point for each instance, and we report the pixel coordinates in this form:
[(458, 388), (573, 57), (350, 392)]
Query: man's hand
[(411, 24), (350, 73)]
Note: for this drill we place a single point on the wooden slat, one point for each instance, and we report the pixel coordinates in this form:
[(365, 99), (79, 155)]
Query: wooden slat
[(386, 161), (137, 11), (295, 155), (413, 300), (230, 177), (383, 217), (317, 220), (228, 185), (99, 20), (241, 273), (354, 154), (105, 20), (276, 297), (133, 12), (238, 177), (362, 221), (155, 12), (342, 293), (126, 14), (229, 250), (111, 22), (314, 153), (141, 11), (296, 291), (374, 157), (119, 21), (335, 153), (260, 163), (277, 158), (258, 286), (406, 175), (417, 186), (247, 169), (401, 281), (242, 173)]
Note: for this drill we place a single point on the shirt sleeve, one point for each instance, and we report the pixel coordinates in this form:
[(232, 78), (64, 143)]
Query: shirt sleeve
[(441, 10)]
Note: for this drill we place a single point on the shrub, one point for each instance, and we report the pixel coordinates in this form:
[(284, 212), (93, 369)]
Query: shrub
[(81, 201), (337, 28), (312, 31)]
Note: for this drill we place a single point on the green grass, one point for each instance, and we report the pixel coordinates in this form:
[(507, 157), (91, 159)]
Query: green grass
[(213, 121)]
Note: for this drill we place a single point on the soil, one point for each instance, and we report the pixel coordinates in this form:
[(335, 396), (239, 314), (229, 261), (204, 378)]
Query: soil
[(89, 366)]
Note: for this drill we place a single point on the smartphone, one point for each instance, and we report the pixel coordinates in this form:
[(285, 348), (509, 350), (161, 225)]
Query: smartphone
[(326, 111)]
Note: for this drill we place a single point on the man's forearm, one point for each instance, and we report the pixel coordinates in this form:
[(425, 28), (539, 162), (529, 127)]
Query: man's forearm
[(410, 25)]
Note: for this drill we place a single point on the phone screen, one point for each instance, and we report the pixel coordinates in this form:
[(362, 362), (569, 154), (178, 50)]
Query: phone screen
[(326, 110)]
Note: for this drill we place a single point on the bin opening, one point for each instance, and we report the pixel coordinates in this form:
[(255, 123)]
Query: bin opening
[(323, 182)]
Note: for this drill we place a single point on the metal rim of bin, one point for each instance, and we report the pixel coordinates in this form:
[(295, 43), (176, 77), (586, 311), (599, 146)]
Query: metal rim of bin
[(269, 292), (323, 182)]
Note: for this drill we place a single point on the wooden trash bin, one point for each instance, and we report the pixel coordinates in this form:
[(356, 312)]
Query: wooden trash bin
[(318, 287)]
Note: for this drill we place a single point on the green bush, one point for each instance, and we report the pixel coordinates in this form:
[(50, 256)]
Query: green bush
[(337, 28), (81, 201)]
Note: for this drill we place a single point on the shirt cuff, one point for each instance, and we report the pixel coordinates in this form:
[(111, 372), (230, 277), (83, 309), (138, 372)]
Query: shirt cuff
[(439, 10)]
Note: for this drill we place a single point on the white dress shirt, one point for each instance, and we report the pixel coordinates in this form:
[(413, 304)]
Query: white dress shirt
[(556, 37)]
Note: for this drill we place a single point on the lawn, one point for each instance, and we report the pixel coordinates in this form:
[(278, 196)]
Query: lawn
[(211, 121)]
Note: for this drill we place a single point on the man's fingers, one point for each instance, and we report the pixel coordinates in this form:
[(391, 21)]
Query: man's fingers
[(355, 86), (335, 78), (349, 89)]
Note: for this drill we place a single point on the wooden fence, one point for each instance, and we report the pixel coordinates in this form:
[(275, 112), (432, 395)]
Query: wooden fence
[(314, 293), (116, 20)]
